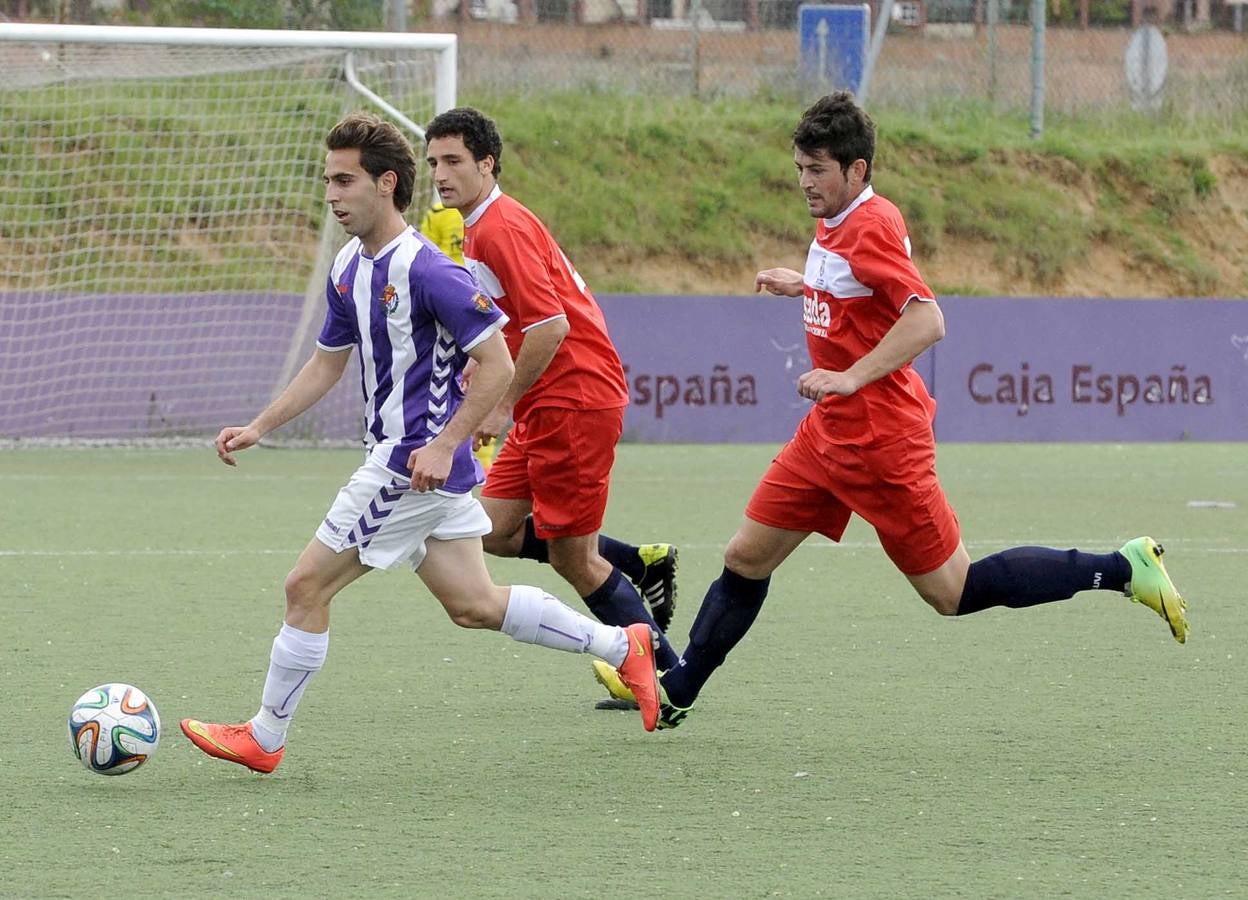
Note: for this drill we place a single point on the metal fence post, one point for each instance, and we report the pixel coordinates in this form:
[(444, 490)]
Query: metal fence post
[(873, 52), (993, 15), (695, 14), (1038, 13)]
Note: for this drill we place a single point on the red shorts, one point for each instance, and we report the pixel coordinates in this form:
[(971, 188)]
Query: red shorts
[(893, 486), (560, 460)]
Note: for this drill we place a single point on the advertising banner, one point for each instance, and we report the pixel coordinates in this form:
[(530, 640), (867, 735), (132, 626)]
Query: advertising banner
[(1008, 369), (700, 369)]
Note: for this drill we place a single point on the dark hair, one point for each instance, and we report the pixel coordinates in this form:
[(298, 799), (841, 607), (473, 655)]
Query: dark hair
[(382, 149), (478, 131), (839, 127)]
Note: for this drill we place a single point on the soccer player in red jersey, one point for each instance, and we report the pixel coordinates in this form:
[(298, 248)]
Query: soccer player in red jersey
[(546, 492), (866, 447)]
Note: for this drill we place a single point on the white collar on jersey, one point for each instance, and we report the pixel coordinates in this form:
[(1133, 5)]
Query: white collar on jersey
[(867, 193), (390, 246), (471, 218)]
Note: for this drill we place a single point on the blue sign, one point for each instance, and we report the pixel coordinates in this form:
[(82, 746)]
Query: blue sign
[(832, 45)]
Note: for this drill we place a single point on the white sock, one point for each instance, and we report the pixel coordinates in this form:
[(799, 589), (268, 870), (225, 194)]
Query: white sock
[(535, 617), (295, 658)]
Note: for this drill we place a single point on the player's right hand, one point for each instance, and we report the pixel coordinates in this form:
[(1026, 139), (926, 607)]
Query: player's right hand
[(781, 282), (233, 438)]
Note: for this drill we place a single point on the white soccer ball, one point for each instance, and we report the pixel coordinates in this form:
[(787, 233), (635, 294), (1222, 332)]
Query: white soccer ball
[(113, 729)]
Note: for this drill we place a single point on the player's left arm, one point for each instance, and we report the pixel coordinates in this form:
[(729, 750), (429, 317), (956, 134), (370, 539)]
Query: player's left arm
[(431, 464)]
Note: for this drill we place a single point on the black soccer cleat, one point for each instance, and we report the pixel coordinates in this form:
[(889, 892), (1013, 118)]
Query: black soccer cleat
[(657, 584)]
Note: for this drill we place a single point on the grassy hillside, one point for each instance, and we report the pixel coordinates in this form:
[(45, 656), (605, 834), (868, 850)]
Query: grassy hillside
[(645, 193)]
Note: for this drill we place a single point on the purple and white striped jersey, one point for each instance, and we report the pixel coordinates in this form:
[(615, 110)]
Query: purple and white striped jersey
[(414, 313)]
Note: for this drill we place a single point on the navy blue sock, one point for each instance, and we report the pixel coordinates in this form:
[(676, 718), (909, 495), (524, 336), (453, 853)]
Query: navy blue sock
[(1027, 576), (616, 602), (624, 557), (728, 610)]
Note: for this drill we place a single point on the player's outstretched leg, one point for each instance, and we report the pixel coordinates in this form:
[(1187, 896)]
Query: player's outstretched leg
[(233, 743), (1151, 585)]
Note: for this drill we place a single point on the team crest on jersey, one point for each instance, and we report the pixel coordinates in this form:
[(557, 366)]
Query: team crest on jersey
[(343, 289), (482, 302), (389, 299)]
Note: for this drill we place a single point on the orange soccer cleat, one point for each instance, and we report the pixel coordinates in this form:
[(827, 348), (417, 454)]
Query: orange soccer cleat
[(638, 673), (233, 743)]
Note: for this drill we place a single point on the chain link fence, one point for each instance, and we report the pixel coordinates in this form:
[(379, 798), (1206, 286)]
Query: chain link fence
[(919, 68), (936, 53)]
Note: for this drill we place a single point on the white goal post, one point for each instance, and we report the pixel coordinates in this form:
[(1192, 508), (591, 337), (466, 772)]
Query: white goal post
[(163, 232)]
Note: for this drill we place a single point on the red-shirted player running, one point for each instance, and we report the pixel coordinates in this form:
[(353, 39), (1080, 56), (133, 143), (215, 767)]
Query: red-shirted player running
[(546, 493), (867, 447)]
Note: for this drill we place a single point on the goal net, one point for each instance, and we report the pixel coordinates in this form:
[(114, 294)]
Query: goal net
[(163, 233)]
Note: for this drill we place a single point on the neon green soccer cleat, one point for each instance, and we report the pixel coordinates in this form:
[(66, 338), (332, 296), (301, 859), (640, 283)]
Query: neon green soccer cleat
[(1151, 585), (610, 679)]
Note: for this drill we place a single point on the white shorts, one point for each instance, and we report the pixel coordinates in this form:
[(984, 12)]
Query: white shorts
[(380, 514)]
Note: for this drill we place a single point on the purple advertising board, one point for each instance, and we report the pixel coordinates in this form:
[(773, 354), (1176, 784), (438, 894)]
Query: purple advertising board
[(709, 369), (1092, 370), (700, 369), (1008, 369), (138, 365)]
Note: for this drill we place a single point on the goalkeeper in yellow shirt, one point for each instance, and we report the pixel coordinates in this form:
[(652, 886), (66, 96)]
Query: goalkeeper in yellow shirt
[(445, 227)]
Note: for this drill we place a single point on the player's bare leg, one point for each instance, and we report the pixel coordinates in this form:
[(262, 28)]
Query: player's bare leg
[(507, 525), (942, 589), (317, 577)]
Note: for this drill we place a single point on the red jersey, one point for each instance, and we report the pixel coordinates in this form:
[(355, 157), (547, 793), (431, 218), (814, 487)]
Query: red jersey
[(858, 279), (519, 265)]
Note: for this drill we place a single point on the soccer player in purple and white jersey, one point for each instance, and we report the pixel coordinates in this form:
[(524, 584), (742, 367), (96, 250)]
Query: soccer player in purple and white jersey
[(417, 318)]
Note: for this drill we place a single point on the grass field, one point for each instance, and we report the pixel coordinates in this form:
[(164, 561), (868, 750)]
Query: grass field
[(856, 744)]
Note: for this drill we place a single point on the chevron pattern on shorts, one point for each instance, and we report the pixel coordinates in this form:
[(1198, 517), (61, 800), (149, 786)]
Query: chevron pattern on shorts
[(378, 509)]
